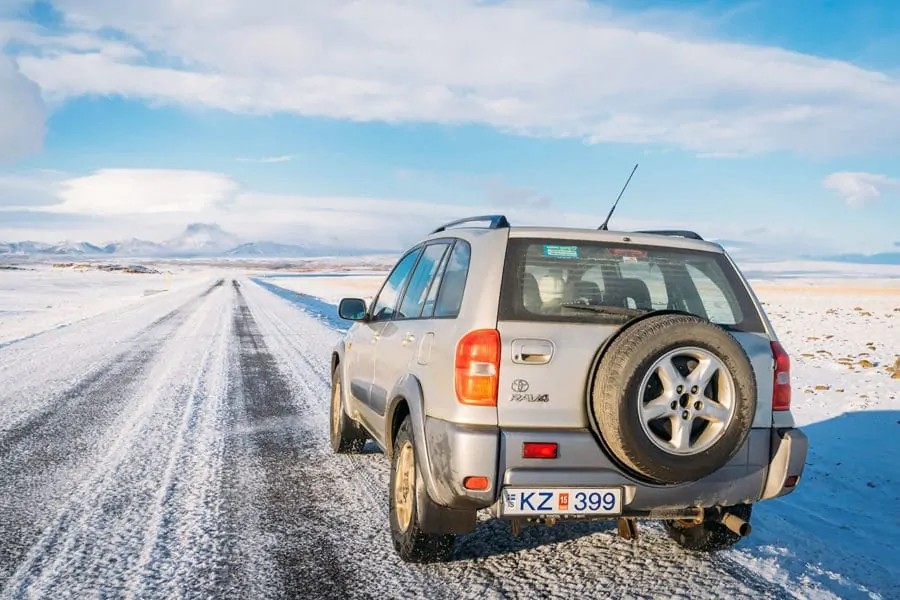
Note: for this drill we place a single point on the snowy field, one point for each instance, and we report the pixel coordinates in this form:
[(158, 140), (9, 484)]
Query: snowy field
[(42, 297), (176, 444)]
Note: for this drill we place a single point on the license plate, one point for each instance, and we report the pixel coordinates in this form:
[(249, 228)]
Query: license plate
[(561, 501)]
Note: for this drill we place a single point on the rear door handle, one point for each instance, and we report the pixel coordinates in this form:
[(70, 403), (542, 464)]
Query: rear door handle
[(532, 351)]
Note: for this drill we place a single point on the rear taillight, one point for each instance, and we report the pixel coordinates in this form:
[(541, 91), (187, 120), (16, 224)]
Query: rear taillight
[(478, 367), (781, 395)]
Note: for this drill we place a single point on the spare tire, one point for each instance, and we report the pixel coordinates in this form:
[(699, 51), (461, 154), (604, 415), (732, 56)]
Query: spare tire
[(673, 398)]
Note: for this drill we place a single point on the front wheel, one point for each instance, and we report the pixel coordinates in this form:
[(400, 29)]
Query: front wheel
[(406, 489), (709, 536), (346, 435)]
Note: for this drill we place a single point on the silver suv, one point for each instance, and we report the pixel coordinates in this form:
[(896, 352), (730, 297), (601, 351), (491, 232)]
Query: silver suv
[(554, 373)]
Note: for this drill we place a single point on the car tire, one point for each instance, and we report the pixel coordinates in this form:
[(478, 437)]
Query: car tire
[(673, 398), (709, 536), (347, 437), (407, 490)]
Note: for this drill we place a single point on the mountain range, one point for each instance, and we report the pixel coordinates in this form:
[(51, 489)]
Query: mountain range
[(197, 240), (210, 240)]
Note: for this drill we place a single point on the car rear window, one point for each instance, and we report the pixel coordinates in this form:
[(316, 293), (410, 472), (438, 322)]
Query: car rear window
[(544, 280)]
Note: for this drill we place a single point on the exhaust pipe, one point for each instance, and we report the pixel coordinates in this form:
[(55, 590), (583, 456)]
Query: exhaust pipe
[(735, 524)]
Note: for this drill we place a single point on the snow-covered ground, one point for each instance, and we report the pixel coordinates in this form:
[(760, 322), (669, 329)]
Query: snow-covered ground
[(175, 445), (41, 297), (841, 527)]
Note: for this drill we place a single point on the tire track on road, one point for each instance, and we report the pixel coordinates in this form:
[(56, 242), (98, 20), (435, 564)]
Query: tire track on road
[(270, 461), (351, 500), (91, 464), (144, 344)]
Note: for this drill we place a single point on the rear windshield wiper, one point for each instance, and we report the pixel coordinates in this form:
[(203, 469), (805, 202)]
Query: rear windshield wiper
[(609, 310)]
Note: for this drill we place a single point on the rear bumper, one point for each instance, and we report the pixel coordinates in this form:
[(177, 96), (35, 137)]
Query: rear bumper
[(581, 462), (758, 471)]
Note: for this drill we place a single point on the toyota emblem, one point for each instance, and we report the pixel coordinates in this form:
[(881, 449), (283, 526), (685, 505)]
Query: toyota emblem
[(519, 386)]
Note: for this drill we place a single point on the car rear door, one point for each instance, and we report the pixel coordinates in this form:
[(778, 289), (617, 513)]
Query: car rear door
[(548, 350)]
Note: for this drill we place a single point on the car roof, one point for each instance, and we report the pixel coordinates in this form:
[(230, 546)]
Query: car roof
[(671, 239)]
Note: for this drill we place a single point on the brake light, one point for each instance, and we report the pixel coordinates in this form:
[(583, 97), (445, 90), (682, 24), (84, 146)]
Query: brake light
[(628, 252), (478, 367), (781, 396), (539, 449)]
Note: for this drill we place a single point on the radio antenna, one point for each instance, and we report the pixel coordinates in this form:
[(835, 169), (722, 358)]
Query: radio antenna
[(605, 225)]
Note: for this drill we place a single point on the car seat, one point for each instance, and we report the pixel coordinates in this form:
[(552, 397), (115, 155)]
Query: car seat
[(531, 294), (619, 291), (587, 292), (552, 287)]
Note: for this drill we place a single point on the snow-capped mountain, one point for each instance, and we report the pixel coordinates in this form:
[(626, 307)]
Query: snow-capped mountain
[(202, 238), (197, 240), (67, 248), (134, 247), (268, 249), (22, 248), (274, 250)]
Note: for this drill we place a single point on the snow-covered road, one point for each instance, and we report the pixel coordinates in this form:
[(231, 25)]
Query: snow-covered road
[(178, 448)]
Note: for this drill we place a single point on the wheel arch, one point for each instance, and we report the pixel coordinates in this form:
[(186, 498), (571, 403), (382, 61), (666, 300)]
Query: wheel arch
[(399, 411), (337, 355), (407, 399)]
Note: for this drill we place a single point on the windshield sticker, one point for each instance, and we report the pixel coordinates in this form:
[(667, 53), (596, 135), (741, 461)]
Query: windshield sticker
[(561, 251)]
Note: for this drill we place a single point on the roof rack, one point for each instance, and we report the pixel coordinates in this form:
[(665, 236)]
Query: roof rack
[(674, 232), (496, 222)]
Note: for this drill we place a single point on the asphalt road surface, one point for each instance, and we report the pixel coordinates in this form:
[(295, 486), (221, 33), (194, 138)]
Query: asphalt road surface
[(179, 448)]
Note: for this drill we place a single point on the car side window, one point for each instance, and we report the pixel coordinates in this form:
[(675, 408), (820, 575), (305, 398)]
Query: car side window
[(414, 297), (719, 307), (386, 303), (453, 283), (434, 288)]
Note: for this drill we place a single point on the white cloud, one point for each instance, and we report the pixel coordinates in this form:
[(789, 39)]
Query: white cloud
[(267, 159), (859, 189), (564, 68), (20, 191), (22, 113), (144, 191), (157, 204)]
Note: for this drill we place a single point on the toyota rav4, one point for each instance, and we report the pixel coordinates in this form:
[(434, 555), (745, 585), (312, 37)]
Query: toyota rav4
[(547, 374)]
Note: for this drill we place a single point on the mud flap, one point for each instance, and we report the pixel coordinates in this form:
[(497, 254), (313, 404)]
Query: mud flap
[(436, 519)]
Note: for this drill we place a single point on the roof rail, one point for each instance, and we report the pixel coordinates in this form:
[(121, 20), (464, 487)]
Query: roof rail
[(674, 232), (496, 222)]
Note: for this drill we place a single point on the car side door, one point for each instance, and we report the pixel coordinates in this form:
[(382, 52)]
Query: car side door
[(404, 339), (365, 341)]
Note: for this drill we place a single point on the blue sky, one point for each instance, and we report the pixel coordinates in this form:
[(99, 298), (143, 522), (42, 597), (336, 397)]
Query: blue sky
[(776, 122)]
